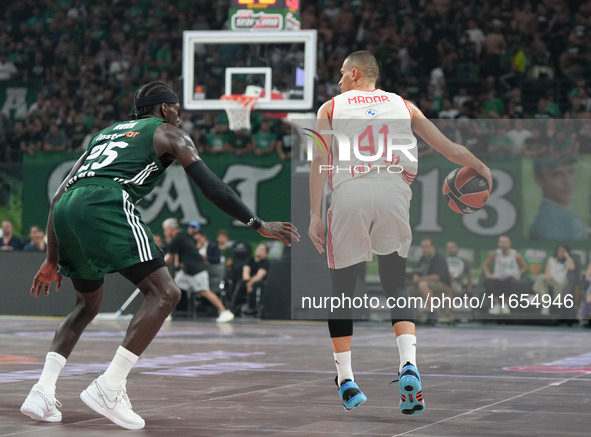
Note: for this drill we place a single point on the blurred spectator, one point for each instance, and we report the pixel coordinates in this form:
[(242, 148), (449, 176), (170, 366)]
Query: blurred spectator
[(186, 123), (493, 47), (16, 137), (76, 132), (212, 250), (284, 143), (254, 274), (241, 142), (554, 278), (460, 99), (160, 243), (499, 145), (514, 98), (33, 140), (226, 252), (544, 110), (509, 265), (218, 141), (265, 141), (518, 135), (7, 68), (555, 219), (563, 144), (331, 10), (459, 270), (535, 145), (475, 35), (432, 277), (36, 240), (202, 243), (492, 104), (194, 228), (192, 276), (8, 241), (574, 59), (197, 137), (449, 111), (55, 140)]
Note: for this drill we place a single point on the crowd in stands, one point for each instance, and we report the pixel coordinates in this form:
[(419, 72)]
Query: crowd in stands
[(559, 290), (10, 242), (455, 59)]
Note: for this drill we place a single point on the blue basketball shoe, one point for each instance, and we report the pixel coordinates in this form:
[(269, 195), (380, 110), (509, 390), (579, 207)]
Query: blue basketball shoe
[(351, 396), (411, 395)]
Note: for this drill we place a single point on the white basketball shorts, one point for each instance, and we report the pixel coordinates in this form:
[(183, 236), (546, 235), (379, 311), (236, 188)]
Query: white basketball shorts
[(368, 215)]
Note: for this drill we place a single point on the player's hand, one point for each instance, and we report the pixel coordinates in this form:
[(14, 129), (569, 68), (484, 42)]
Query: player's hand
[(45, 276), (283, 231), (316, 233), (485, 173)]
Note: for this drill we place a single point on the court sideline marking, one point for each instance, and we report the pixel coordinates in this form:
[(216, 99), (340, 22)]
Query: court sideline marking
[(554, 384)]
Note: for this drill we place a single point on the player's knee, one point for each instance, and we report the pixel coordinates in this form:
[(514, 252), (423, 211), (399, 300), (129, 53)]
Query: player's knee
[(165, 295), (89, 308), (172, 295)]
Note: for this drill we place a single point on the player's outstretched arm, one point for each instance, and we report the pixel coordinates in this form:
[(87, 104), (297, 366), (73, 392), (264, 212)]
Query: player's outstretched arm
[(454, 152), (172, 143), (48, 271), (318, 179)]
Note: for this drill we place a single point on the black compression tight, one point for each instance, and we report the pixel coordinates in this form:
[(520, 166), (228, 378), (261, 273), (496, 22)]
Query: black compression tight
[(392, 270)]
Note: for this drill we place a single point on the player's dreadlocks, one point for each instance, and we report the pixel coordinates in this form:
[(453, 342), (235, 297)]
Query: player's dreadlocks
[(150, 96)]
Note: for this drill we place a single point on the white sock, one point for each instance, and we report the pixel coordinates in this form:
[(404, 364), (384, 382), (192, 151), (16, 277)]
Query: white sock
[(117, 372), (54, 363), (407, 348), (343, 362)]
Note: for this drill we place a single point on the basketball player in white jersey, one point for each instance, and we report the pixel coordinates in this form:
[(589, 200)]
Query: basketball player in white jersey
[(369, 212)]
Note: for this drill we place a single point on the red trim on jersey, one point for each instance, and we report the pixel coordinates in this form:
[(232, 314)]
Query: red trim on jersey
[(409, 176), (409, 113), (332, 111), (330, 160), (329, 248)]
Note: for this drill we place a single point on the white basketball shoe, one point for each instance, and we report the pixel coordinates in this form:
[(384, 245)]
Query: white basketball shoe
[(41, 406), (113, 404)]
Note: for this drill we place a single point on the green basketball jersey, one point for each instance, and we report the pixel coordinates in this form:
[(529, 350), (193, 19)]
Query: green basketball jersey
[(124, 152)]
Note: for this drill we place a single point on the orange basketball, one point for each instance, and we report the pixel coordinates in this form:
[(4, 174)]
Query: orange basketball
[(465, 190)]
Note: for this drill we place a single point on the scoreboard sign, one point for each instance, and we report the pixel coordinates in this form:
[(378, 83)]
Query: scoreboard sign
[(248, 15)]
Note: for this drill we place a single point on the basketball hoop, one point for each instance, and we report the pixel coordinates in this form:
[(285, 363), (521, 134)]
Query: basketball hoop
[(238, 107)]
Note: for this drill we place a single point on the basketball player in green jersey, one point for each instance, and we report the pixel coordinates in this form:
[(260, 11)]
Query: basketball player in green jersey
[(94, 229)]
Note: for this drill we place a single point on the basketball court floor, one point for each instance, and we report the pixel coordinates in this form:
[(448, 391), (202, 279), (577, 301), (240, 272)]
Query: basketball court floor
[(268, 378)]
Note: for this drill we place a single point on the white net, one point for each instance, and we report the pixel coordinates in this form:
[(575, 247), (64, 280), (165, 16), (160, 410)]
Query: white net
[(238, 107)]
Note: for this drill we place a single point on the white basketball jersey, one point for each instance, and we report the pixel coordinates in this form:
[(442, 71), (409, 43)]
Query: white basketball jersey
[(506, 266), (381, 142)]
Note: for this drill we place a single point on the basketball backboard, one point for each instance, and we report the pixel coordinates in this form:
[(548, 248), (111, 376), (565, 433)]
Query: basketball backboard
[(282, 63)]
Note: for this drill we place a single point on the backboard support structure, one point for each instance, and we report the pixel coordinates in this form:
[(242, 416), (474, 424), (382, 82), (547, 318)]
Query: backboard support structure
[(227, 62)]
